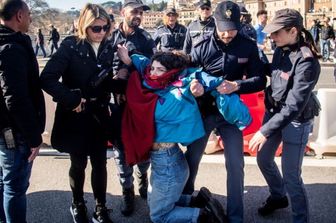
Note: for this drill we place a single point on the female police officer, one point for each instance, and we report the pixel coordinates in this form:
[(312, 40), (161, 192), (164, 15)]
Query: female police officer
[(291, 105)]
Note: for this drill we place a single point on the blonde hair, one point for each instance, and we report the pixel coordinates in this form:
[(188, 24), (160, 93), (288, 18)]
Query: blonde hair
[(87, 16)]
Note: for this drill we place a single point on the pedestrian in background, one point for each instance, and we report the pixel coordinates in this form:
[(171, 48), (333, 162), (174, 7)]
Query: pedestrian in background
[(53, 40), (171, 35), (290, 108), (204, 25), (229, 55), (138, 41), (261, 36), (73, 78), (315, 31), (39, 43), (327, 35), (22, 109), (246, 29)]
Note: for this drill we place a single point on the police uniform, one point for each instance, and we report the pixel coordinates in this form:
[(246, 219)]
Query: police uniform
[(291, 106), (170, 38), (248, 31), (232, 61), (196, 30)]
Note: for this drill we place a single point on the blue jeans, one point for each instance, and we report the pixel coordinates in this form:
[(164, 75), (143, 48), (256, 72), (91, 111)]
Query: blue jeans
[(42, 48), (234, 162), (169, 173), (124, 170), (325, 44), (14, 181), (294, 137)]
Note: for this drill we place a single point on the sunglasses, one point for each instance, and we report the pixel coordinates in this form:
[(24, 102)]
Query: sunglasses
[(205, 8), (98, 29)]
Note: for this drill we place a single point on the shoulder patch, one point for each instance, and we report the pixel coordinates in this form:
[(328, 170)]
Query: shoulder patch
[(146, 34), (306, 52)]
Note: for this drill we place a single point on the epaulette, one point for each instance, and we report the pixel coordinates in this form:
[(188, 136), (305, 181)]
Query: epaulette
[(306, 52), (160, 26), (202, 39)]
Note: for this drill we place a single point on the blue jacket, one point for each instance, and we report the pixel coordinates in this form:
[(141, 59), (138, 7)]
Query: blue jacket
[(177, 105)]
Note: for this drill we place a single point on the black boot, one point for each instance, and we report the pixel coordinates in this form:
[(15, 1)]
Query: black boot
[(143, 185), (79, 212), (216, 211), (127, 204), (272, 204), (101, 215), (201, 199)]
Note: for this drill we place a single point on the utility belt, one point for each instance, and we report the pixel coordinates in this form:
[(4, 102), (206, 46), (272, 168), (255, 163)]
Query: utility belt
[(157, 146)]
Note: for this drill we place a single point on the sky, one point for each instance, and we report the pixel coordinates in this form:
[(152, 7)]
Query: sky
[(68, 4)]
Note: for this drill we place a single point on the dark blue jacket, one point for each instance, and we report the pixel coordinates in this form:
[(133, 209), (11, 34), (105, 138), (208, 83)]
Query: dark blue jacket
[(237, 61), (295, 72), (170, 39), (196, 30)]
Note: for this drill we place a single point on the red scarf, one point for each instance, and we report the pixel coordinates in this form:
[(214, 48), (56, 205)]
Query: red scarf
[(138, 128), (162, 81)]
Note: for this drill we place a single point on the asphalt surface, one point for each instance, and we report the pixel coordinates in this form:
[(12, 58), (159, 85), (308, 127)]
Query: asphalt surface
[(49, 195)]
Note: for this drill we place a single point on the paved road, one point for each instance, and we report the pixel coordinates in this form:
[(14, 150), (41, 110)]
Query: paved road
[(49, 195)]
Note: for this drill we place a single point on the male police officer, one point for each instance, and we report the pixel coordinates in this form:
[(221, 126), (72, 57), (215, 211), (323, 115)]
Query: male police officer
[(139, 41), (170, 35), (230, 55), (203, 25), (22, 111)]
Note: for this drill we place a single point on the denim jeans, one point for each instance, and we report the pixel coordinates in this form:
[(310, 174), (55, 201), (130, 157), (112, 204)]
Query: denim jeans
[(42, 48), (124, 170), (325, 44), (294, 137), (15, 172), (234, 162), (169, 173)]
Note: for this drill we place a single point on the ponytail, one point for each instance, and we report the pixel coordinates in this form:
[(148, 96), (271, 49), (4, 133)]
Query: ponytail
[(308, 40)]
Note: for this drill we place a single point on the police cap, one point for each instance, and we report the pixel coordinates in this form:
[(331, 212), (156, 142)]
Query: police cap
[(243, 10), (284, 18), (135, 4), (171, 11), (227, 16), (204, 3)]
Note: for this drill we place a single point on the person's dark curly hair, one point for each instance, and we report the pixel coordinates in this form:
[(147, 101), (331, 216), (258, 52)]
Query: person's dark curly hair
[(171, 60)]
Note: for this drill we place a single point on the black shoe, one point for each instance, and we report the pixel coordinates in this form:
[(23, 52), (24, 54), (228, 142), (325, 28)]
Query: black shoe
[(143, 185), (216, 210), (127, 205), (272, 204), (201, 199), (101, 215), (79, 213)]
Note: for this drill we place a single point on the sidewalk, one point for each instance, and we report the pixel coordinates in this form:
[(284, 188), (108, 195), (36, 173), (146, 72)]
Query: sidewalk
[(49, 195)]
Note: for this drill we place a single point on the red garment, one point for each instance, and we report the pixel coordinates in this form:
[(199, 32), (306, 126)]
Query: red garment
[(161, 81), (138, 128)]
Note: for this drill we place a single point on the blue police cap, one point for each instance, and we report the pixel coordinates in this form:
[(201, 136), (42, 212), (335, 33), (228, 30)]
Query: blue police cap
[(204, 3), (284, 18), (227, 16), (135, 4)]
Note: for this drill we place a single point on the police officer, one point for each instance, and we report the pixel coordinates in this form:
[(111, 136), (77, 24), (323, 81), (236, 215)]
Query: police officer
[(170, 35), (247, 29), (291, 106), (138, 41), (203, 25), (226, 54)]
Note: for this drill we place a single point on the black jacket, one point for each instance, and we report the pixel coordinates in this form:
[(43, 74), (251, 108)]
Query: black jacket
[(140, 42), (76, 63), (195, 31), (327, 32), (21, 99), (170, 39), (295, 73), (233, 61)]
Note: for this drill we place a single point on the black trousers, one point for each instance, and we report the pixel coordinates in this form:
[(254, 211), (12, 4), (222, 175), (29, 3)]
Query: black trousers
[(97, 154)]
